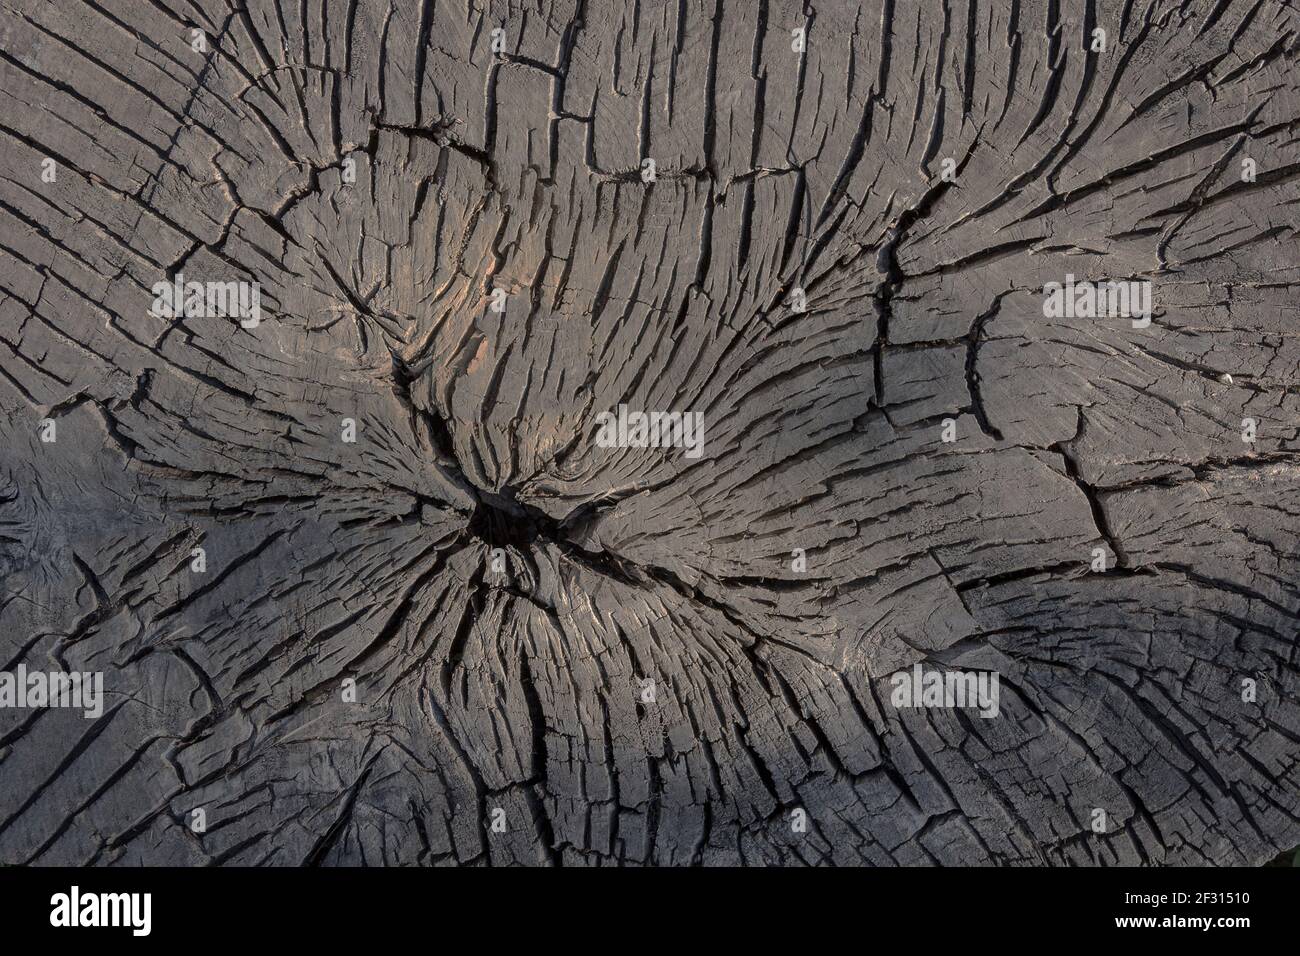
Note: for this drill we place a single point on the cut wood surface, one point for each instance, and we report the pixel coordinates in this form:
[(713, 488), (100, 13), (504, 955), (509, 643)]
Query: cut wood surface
[(371, 578)]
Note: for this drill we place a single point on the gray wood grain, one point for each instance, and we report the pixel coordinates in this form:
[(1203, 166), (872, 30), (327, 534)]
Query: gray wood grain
[(518, 695)]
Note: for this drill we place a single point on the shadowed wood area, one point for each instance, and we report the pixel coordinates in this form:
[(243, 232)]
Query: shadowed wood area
[(575, 433)]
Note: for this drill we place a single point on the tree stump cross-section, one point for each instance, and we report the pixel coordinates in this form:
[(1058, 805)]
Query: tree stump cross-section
[(712, 432)]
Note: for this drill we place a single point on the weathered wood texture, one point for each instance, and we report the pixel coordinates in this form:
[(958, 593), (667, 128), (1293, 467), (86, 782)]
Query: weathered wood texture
[(777, 173)]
